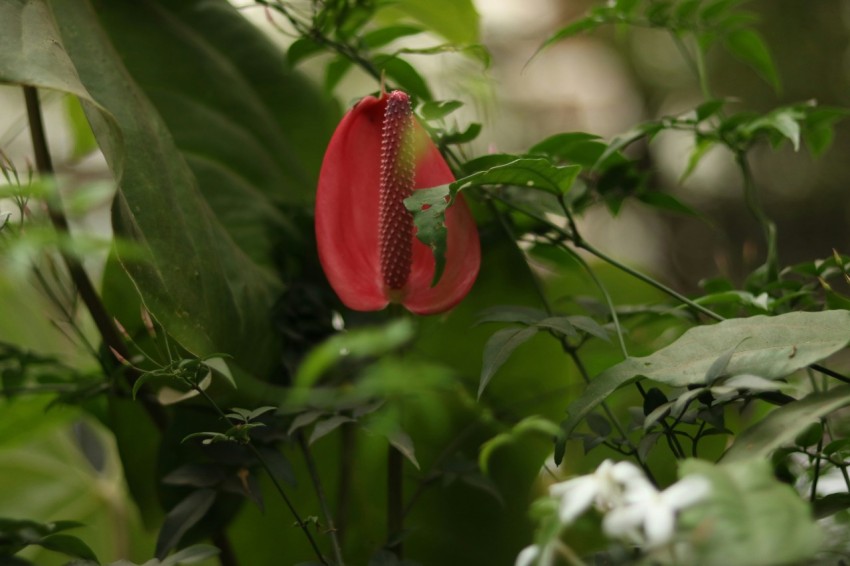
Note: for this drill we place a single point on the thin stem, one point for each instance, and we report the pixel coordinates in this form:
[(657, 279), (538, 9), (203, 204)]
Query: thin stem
[(259, 456), (105, 326), (395, 500), (754, 204), (817, 469), (346, 467), (323, 500), (226, 556), (301, 524)]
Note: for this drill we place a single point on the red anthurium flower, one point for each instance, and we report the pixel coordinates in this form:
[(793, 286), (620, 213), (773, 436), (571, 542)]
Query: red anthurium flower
[(377, 157)]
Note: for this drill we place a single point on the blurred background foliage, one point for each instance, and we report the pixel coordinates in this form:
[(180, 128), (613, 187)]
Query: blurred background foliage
[(250, 130)]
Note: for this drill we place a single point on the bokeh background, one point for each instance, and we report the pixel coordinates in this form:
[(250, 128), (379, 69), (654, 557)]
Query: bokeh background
[(602, 83)]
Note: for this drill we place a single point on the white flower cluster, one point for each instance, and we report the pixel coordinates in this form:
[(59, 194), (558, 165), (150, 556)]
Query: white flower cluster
[(634, 510)]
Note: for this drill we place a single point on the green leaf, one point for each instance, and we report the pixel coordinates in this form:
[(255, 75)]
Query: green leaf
[(499, 348), (335, 71), (714, 10), (819, 127), (831, 504), (749, 518), (456, 20), (709, 108), (748, 46), (666, 201), (359, 343), (402, 442), (770, 347), (301, 49), (590, 22), (439, 109), (784, 424), (405, 74), (84, 141), (193, 262), (428, 207), (456, 137), (532, 172), (511, 313), (701, 148), (181, 518), (327, 426), (383, 36), (646, 130), (579, 148), (70, 545), (559, 324), (191, 555), (533, 424)]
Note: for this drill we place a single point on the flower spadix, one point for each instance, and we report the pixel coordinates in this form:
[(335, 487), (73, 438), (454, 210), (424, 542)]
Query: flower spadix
[(378, 155)]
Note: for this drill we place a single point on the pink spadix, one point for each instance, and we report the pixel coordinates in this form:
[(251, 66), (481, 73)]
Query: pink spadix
[(377, 157)]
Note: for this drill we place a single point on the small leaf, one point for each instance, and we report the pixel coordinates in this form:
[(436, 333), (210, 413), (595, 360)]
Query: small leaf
[(67, 544), (560, 324), (748, 46), (383, 36), (709, 108), (181, 518), (335, 71), (428, 207), (529, 172), (327, 426), (831, 504), (407, 77), (498, 349), (439, 109), (301, 49), (466, 136), (510, 313), (783, 425), (590, 326), (191, 555), (665, 201), (702, 147), (279, 465), (402, 442), (195, 475)]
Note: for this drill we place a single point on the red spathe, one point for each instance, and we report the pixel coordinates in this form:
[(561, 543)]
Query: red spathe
[(347, 221)]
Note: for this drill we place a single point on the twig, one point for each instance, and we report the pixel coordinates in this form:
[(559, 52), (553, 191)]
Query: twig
[(105, 326), (323, 501)]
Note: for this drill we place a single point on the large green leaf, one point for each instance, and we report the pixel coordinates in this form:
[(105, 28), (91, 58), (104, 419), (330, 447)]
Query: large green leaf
[(749, 518), (196, 279), (234, 108), (782, 425), (770, 347)]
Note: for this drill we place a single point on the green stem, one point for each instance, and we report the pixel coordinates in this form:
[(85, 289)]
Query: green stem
[(259, 456), (395, 500), (105, 326), (751, 197), (323, 501)]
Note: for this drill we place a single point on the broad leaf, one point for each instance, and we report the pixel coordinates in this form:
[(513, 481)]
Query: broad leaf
[(770, 347), (749, 518), (191, 261)]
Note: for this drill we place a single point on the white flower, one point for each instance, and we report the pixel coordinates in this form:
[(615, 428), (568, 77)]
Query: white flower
[(603, 489), (648, 516)]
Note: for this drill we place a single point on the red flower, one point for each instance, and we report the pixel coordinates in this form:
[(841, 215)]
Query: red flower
[(377, 157)]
